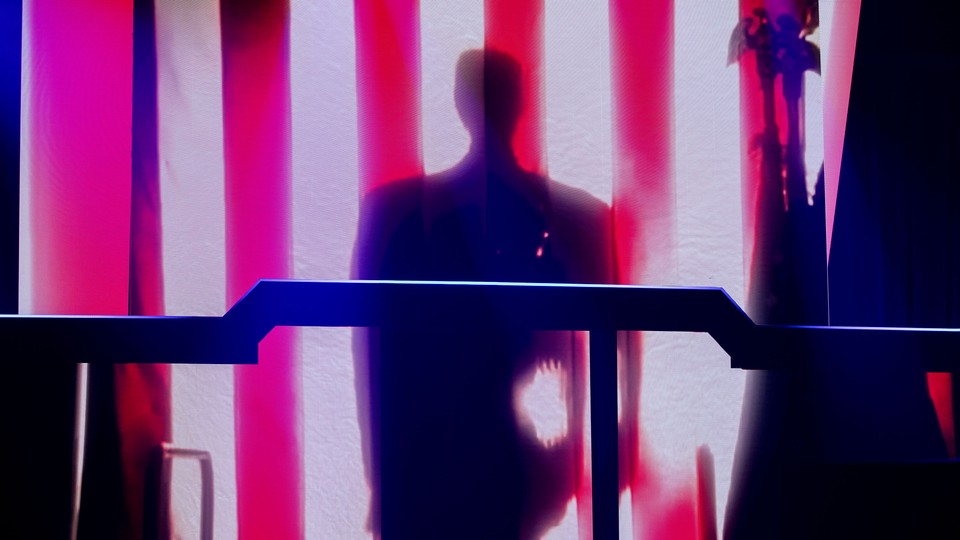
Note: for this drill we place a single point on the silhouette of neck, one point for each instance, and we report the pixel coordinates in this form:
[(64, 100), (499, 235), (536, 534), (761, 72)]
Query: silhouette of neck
[(493, 150)]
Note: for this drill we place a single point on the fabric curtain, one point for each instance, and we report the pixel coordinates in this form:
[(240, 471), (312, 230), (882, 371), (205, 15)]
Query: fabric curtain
[(177, 152)]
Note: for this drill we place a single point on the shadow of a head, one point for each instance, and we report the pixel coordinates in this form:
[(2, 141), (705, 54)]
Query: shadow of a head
[(487, 93)]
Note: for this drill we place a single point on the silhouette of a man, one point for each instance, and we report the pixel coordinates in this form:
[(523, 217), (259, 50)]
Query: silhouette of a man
[(446, 453)]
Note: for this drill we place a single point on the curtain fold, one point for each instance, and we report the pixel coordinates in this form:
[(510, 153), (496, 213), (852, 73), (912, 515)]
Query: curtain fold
[(143, 411)]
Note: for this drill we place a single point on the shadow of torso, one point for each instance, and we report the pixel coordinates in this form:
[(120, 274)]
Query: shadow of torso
[(448, 454)]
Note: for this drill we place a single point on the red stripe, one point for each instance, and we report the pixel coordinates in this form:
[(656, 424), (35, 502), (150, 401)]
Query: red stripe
[(388, 90), (256, 117), (515, 27), (706, 495), (940, 386)]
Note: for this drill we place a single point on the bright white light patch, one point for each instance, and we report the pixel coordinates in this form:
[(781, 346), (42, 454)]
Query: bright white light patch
[(542, 402), (567, 528)]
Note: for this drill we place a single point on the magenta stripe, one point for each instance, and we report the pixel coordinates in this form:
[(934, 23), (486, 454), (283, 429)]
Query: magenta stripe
[(80, 155)]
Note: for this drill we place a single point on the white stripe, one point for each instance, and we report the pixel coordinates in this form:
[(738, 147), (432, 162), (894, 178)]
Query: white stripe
[(577, 60), (577, 140), (813, 124), (26, 245), (191, 187), (447, 29), (813, 127), (325, 200), (684, 406)]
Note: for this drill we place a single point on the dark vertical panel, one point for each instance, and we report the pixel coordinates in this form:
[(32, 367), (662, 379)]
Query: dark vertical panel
[(10, 38), (146, 282), (603, 425), (894, 257), (102, 500)]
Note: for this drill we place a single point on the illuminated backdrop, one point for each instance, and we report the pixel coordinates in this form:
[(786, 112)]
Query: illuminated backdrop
[(273, 120)]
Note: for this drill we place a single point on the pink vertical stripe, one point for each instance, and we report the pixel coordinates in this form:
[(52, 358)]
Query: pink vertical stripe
[(79, 160), (388, 90), (644, 214), (641, 66), (515, 27), (256, 117), (80, 154)]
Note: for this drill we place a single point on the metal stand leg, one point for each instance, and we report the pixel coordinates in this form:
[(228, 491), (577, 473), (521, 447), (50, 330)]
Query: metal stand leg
[(603, 420)]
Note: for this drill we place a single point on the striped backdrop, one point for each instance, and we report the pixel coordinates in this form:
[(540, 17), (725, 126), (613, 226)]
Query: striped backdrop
[(172, 152)]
